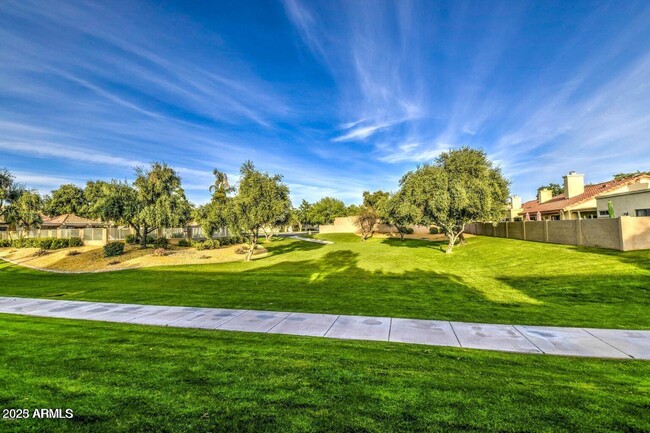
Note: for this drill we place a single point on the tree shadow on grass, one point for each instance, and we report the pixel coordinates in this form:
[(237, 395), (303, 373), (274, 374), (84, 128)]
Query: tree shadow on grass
[(415, 243), (283, 246)]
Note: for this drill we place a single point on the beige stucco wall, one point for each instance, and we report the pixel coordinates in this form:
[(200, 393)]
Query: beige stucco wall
[(635, 233), (563, 232), (602, 233), (624, 233), (627, 203), (516, 230), (535, 231)]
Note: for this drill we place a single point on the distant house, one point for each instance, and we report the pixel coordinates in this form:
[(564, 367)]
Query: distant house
[(69, 221), (580, 200)]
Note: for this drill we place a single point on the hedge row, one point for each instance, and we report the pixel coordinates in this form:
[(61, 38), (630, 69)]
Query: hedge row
[(211, 244), (42, 243)]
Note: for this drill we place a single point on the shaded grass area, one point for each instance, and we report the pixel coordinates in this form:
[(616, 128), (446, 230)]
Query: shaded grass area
[(129, 378), (488, 280)]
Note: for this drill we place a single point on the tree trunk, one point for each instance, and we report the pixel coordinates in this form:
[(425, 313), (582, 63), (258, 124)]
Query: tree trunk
[(253, 244), (143, 237), (450, 245), (453, 237), (401, 235)]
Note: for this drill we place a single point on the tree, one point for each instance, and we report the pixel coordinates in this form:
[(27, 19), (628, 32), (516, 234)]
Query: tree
[(261, 200), (66, 199), (303, 214), (621, 176), (326, 209), (221, 186), (400, 213), (461, 187), (556, 189), (10, 191), (25, 212), (352, 210), (160, 199), (371, 212), (212, 216), (114, 202)]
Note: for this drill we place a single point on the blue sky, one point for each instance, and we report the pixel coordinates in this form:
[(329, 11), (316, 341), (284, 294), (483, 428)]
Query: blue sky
[(339, 97)]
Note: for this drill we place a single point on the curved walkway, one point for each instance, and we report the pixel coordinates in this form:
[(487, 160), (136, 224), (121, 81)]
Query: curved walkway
[(603, 343)]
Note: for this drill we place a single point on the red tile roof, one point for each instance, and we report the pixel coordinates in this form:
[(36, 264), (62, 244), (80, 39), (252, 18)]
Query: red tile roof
[(560, 202), (68, 219)]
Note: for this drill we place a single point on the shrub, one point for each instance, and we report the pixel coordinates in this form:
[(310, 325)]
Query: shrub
[(225, 241), (159, 252), (46, 243), (209, 244), (135, 239), (161, 242), (113, 249), (59, 243), (184, 243), (75, 242), (40, 253), (178, 235), (434, 230), (212, 244), (5, 243)]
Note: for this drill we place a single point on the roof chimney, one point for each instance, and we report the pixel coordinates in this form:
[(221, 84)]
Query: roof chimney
[(574, 184), (544, 195), (515, 202)]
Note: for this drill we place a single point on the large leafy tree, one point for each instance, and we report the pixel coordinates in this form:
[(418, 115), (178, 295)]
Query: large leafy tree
[(66, 199), (262, 200), (326, 209), (160, 199), (25, 211), (461, 187), (10, 191), (114, 202), (371, 212), (400, 213)]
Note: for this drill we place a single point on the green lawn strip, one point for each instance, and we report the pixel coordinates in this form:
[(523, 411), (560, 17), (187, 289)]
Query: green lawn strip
[(132, 378), (489, 280)]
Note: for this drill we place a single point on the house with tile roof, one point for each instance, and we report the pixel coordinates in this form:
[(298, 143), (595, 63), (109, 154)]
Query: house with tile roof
[(69, 221), (579, 200)]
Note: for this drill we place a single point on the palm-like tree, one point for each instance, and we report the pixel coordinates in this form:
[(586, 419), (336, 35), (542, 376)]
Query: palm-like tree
[(221, 186)]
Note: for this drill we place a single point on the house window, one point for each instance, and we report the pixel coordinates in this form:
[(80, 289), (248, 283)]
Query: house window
[(603, 213), (643, 212)]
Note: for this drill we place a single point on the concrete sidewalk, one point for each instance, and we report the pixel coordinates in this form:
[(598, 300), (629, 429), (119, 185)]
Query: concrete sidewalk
[(603, 343)]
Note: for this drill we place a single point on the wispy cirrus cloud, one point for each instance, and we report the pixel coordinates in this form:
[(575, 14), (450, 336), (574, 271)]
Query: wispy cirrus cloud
[(338, 96)]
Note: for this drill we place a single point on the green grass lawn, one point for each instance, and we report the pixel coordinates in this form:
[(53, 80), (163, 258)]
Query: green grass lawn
[(488, 280), (129, 378)]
